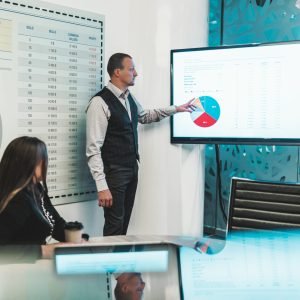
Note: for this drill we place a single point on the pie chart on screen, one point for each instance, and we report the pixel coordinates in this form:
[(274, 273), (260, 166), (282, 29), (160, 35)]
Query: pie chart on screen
[(207, 111)]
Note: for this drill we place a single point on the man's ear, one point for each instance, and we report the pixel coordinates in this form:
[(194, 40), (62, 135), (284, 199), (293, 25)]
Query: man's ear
[(117, 72), (124, 288)]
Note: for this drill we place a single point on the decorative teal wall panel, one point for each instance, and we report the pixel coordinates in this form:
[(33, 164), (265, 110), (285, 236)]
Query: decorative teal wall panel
[(249, 21), (246, 22), (273, 163), (215, 22)]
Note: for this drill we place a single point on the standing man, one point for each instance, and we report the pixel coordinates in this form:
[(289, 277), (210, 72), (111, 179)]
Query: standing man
[(112, 142)]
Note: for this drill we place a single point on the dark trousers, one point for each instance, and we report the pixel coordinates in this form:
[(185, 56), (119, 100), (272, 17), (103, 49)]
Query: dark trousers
[(122, 183)]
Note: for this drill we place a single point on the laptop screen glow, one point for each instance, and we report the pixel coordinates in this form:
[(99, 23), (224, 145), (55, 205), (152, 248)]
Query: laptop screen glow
[(110, 262)]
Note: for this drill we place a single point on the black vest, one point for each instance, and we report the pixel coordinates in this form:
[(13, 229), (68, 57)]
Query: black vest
[(120, 145)]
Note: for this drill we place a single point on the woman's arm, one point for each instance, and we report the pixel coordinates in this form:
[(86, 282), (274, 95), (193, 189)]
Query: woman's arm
[(59, 226), (47, 251), (13, 218)]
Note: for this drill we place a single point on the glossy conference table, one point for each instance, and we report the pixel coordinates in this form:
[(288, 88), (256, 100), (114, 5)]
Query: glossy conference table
[(248, 265), (94, 268)]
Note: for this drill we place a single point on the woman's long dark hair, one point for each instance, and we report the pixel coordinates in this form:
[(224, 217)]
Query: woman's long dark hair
[(17, 167)]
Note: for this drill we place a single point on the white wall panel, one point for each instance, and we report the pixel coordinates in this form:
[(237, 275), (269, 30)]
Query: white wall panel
[(171, 180)]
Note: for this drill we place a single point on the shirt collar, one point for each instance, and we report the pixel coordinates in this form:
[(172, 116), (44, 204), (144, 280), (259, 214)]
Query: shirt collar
[(116, 91)]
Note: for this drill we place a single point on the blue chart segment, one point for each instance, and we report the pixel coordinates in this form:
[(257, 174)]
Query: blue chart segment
[(207, 111)]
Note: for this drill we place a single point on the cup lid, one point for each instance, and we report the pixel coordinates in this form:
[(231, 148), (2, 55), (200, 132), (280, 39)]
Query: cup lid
[(74, 225)]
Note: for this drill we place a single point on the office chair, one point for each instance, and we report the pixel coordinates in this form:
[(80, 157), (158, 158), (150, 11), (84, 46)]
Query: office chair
[(263, 205)]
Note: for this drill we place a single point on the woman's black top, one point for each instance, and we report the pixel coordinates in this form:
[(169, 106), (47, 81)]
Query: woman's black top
[(25, 221)]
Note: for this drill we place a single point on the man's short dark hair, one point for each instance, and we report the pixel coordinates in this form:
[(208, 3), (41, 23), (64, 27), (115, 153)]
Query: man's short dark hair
[(116, 62)]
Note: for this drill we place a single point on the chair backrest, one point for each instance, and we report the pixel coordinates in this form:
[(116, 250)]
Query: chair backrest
[(263, 205)]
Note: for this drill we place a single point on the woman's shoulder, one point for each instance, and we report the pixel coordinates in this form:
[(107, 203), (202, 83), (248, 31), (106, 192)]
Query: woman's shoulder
[(20, 202), (24, 193)]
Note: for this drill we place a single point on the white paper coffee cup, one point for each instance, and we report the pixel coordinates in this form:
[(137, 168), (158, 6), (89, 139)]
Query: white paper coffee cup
[(73, 232)]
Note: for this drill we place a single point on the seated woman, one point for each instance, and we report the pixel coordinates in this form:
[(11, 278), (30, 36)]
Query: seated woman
[(27, 216)]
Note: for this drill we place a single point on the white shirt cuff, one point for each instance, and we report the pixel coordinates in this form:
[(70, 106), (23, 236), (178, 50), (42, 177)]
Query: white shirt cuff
[(101, 185), (172, 109)]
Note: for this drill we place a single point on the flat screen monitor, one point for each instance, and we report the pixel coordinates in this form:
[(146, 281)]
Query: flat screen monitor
[(252, 265), (245, 94)]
